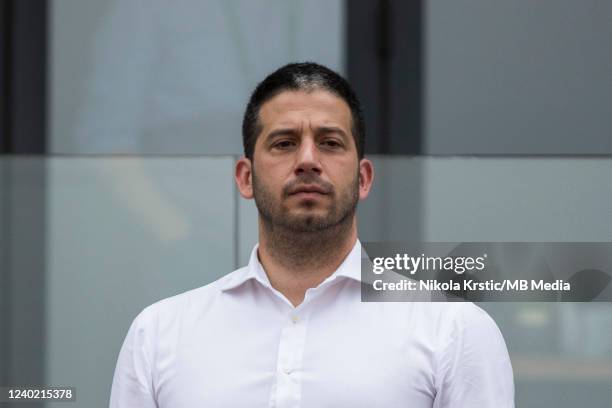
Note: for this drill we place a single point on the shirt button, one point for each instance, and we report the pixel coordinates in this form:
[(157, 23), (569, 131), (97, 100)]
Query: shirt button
[(295, 319), (287, 371)]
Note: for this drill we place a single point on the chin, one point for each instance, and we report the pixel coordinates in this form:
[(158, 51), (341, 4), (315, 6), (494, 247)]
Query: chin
[(311, 223), (315, 215)]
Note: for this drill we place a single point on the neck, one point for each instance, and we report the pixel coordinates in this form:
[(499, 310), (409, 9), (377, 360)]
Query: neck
[(295, 262)]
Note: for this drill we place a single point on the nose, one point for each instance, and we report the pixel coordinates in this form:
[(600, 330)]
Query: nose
[(307, 159)]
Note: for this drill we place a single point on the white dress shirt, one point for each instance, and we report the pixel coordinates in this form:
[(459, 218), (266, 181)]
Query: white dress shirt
[(238, 342)]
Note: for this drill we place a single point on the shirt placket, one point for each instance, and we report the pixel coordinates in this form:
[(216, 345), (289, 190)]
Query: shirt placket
[(287, 393)]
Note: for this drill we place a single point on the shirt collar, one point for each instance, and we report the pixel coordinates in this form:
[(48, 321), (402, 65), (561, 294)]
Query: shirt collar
[(349, 268)]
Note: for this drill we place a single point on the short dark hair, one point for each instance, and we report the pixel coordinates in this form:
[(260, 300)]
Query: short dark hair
[(294, 77)]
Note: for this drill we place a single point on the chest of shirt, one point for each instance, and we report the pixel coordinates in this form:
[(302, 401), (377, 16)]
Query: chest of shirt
[(334, 353)]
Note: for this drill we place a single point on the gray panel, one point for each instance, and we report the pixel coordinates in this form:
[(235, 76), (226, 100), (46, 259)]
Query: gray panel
[(393, 209), (124, 233), (517, 199), (518, 77), (26, 267)]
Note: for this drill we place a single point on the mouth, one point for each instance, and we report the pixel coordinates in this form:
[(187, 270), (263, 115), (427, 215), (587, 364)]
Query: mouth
[(308, 192), (307, 195), (314, 190)]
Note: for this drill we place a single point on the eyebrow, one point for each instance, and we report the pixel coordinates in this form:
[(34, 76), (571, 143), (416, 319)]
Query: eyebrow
[(282, 132), (332, 129), (319, 130)]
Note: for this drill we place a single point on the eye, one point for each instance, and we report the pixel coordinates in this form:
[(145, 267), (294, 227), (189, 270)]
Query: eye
[(332, 143), (283, 144)]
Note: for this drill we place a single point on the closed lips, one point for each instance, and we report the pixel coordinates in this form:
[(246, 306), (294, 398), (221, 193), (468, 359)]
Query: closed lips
[(312, 189)]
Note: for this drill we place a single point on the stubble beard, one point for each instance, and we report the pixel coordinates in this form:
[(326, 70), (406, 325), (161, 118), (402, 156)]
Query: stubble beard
[(305, 239), (276, 216)]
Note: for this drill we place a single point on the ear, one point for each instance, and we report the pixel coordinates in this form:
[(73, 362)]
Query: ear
[(366, 178), (243, 175)]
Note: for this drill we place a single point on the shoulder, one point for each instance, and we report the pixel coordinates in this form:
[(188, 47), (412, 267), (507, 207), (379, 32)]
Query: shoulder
[(470, 319), (458, 320), (451, 316), (465, 313), (196, 300), (454, 326)]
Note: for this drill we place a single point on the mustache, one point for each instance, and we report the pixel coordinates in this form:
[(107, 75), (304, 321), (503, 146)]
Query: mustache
[(309, 180)]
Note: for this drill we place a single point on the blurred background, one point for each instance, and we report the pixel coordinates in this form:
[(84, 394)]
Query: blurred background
[(120, 124)]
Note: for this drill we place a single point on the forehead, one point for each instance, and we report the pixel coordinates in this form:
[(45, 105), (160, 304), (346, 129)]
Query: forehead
[(316, 106)]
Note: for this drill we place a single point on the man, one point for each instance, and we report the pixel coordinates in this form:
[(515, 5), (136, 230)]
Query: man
[(289, 329)]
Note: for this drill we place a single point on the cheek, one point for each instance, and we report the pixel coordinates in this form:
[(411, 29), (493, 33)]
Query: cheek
[(344, 173), (271, 177)]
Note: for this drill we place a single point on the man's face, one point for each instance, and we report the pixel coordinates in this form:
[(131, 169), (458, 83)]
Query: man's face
[(305, 170)]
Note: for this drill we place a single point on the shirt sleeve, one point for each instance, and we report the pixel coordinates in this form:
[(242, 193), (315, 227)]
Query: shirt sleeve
[(474, 368), (133, 381)]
